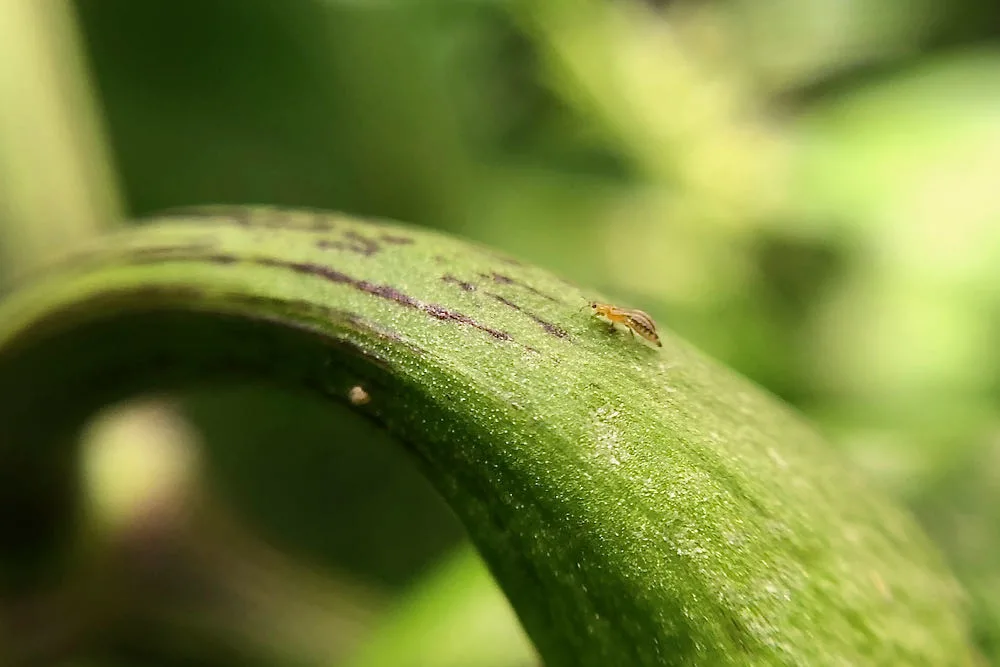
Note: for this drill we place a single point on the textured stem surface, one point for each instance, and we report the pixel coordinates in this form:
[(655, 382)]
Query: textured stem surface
[(639, 506)]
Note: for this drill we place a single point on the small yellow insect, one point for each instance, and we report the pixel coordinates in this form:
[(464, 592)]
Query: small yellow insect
[(635, 320)]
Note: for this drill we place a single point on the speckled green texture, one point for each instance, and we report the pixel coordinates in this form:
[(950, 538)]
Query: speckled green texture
[(639, 506)]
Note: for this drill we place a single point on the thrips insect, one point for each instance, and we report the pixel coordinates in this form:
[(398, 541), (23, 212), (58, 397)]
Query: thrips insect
[(635, 320)]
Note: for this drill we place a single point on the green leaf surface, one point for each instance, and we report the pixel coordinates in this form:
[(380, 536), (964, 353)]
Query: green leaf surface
[(639, 506)]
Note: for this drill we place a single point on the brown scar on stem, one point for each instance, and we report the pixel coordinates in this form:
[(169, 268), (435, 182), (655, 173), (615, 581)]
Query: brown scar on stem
[(397, 239), (468, 287), (222, 259), (355, 243), (370, 246), (382, 291), (502, 279), (548, 326)]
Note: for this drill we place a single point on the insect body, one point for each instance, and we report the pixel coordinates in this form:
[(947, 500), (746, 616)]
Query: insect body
[(637, 321)]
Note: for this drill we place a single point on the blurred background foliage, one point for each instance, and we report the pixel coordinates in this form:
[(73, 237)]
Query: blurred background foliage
[(806, 189)]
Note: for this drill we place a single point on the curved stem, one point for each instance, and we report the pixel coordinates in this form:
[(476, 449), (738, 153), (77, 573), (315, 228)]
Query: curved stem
[(638, 505)]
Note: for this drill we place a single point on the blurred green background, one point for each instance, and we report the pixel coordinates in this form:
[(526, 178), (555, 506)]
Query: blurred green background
[(809, 190)]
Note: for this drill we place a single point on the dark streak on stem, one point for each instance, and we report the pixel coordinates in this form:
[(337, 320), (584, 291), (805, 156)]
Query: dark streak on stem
[(369, 247), (468, 287), (365, 247), (502, 279), (548, 326), (383, 291), (396, 239), (222, 259), (318, 270)]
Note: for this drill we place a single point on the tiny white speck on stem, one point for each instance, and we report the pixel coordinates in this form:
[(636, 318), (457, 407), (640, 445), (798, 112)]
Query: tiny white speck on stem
[(358, 396)]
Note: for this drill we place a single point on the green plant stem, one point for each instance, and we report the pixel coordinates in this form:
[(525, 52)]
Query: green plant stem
[(638, 506)]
